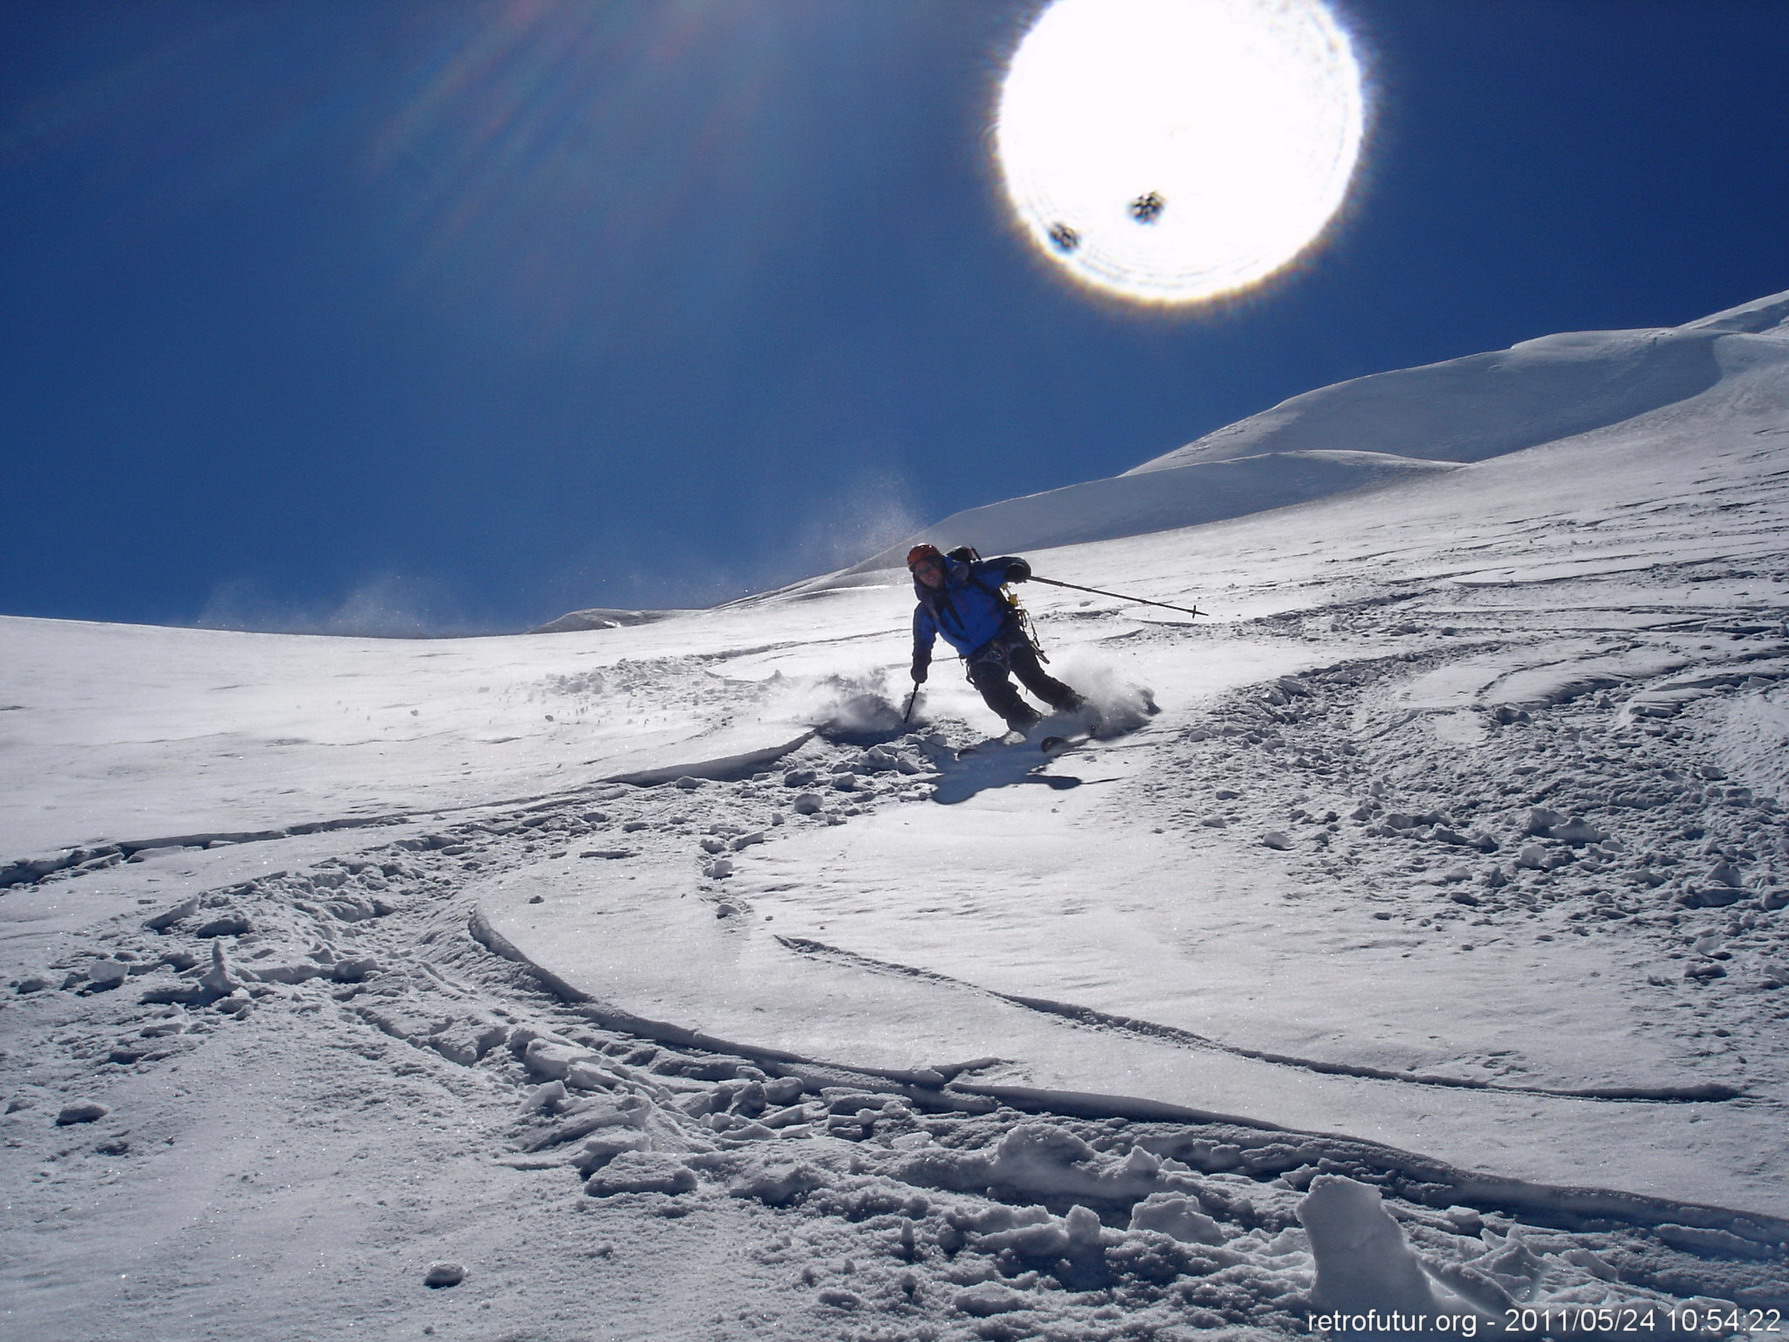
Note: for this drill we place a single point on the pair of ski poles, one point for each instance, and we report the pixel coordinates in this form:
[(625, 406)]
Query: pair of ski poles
[(1076, 587)]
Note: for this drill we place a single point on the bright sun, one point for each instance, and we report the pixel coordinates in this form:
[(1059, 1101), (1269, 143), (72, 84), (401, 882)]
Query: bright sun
[(1174, 151)]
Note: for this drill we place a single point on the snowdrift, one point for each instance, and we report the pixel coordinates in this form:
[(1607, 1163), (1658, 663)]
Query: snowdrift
[(600, 617)]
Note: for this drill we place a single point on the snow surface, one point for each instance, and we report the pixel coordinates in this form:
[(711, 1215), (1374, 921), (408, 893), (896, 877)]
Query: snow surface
[(1414, 943)]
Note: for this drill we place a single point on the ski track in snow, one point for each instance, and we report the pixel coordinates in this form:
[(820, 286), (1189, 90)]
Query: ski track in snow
[(292, 1079), (1101, 1020)]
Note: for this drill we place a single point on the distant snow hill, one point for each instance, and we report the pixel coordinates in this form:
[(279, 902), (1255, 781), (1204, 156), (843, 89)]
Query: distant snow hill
[(600, 617), (1374, 431)]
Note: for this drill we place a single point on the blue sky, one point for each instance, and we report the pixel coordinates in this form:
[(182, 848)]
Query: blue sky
[(401, 316)]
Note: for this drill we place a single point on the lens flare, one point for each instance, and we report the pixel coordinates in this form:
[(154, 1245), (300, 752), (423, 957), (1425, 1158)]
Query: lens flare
[(1177, 151)]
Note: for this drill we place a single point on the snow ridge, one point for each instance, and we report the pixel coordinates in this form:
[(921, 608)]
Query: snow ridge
[(1483, 405), (1372, 431)]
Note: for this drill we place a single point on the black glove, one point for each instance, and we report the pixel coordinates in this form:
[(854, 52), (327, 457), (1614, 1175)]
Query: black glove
[(920, 670), (1017, 571)]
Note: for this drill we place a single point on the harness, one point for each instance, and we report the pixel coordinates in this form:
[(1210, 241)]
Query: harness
[(1022, 618)]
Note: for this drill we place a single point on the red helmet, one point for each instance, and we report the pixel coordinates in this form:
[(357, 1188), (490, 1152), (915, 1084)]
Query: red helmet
[(920, 553)]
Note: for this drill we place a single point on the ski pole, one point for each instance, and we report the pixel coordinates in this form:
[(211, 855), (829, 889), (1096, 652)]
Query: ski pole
[(1140, 600), (907, 716)]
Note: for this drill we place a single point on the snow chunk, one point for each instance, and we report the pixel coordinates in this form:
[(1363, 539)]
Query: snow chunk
[(988, 1299), (1177, 1215), (779, 1183), (554, 1060), (599, 1150), (444, 1274), (224, 925), (1363, 1261), (1723, 874), (1578, 831), (107, 973), (1038, 1150), (218, 979), (641, 1172), (585, 1074)]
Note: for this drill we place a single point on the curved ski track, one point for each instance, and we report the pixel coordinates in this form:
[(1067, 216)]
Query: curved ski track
[(1092, 1018)]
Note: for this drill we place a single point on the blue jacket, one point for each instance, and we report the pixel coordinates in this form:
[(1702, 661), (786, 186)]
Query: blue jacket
[(968, 610)]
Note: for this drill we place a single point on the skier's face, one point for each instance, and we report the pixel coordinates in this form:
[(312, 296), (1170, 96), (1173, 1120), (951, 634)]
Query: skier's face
[(930, 572)]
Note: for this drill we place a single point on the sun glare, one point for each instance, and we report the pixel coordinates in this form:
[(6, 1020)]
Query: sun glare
[(1176, 151)]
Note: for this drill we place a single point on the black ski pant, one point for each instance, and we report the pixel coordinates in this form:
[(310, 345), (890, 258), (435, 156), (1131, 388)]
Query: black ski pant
[(1011, 652)]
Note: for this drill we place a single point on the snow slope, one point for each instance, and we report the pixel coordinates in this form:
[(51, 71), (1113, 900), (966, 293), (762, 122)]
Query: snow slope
[(1483, 405), (1373, 431), (1424, 949), (1187, 496)]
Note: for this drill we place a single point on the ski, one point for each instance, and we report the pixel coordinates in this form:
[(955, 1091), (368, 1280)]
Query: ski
[(1089, 731), (994, 743)]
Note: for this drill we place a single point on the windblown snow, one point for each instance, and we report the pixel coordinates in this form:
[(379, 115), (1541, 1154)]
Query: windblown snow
[(1409, 956)]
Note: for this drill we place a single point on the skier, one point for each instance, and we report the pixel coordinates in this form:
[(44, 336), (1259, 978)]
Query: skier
[(961, 599)]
